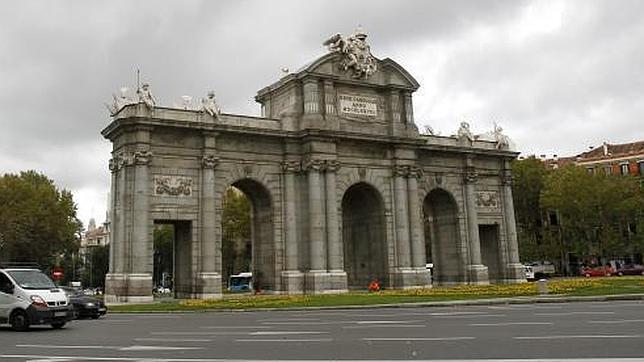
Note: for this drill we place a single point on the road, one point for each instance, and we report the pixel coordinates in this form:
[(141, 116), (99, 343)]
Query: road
[(601, 330)]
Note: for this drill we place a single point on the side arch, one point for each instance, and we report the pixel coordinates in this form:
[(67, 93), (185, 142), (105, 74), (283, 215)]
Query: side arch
[(442, 236)]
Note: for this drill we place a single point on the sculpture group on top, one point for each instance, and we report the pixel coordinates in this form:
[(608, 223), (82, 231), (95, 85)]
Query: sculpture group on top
[(144, 95), (356, 53)]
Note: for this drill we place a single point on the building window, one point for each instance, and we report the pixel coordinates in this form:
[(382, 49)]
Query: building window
[(640, 167), (608, 170), (623, 168)]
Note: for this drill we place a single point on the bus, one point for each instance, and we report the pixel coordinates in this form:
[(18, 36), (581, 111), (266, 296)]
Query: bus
[(242, 282)]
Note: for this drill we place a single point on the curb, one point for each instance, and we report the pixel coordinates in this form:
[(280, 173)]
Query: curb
[(474, 302)]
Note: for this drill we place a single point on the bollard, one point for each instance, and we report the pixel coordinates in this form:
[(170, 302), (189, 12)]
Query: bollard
[(542, 286)]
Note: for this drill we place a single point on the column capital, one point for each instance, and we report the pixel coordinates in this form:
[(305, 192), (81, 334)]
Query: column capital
[(292, 166), (142, 158), (209, 161), (331, 165), (116, 163), (470, 176), (313, 165), (415, 172), (506, 178), (401, 170)]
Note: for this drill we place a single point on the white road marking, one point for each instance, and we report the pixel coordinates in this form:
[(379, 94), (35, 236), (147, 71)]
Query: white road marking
[(118, 348), (572, 313), (299, 340), (510, 324), (235, 327), (303, 323), (582, 336), (145, 358), (454, 313), (621, 321), (386, 326), (289, 320), (157, 348), (274, 333), (413, 339), (385, 322), (173, 340), (473, 316)]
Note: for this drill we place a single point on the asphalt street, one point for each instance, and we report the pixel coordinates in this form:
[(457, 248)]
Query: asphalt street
[(590, 331)]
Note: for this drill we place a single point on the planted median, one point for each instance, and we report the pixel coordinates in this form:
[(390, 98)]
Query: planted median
[(556, 287)]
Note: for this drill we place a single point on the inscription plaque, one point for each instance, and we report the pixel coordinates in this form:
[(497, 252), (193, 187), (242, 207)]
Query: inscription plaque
[(358, 105)]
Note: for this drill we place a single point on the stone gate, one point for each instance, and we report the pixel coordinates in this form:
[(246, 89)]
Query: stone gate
[(343, 187)]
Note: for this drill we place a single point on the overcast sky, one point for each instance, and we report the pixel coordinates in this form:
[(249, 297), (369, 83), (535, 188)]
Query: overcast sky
[(558, 76)]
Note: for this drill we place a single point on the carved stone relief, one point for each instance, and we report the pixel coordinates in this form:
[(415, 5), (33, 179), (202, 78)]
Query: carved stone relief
[(487, 200), (172, 185)]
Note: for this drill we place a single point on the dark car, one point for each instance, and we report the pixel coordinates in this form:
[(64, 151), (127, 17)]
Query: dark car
[(85, 306), (631, 270)]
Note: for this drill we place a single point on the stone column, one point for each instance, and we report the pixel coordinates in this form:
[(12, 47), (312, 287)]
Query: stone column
[(292, 277), (401, 216), (415, 220), (335, 255), (209, 278), (394, 105), (311, 97), (409, 109), (477, 272), (140, 278), (329, 98), (116, 280), (317, 238), (514, 270)]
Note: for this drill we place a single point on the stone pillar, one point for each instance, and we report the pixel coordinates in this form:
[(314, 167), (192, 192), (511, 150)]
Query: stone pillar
[(311, 97), (329, 98), (116, 279), (477, 272), (114, 167), (209, 277), (409, 109), (292, 277), (316, 218), (140, 278), (335, 264), (401, 217), (514, 270), (418, 259)]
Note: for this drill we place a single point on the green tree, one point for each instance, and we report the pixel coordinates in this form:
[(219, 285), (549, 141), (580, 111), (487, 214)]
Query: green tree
[(236, 245), (96, 266), (163, 252), (529, 175), (38, 221), (595, 211)]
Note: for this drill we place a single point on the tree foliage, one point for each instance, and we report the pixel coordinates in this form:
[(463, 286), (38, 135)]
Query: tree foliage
[(569, 211), (235, 224), (38, 221)]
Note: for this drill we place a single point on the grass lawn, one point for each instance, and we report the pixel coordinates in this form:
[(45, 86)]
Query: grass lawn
[(562, 287)]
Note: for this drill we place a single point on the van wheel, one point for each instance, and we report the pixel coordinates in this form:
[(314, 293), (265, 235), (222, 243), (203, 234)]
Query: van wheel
[(58, 325), (19, 321)]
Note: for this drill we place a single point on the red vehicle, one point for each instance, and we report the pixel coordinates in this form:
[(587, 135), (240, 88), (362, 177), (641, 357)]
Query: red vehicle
[(602, 271), (631, 270)]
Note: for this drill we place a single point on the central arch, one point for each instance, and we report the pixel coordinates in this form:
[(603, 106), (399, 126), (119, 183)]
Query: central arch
[(261, 233), (363, 236), (442, 237)]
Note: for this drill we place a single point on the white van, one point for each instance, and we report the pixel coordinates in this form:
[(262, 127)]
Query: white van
[(28, 297)]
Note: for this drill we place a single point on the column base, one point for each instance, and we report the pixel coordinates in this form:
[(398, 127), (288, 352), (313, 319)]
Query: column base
[(292, 282), (323, 282), (128, 288), (208, 286), (411, 278), (478, 274), (514, 273)]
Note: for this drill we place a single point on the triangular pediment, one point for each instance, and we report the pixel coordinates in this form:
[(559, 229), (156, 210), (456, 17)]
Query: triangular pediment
[(389, 73)]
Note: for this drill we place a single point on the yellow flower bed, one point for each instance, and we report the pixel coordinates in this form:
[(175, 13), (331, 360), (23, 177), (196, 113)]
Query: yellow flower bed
[(263, 301), (520, 289)]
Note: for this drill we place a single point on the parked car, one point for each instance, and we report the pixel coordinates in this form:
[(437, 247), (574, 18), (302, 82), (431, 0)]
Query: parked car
[(630, 270), (29, 297), (602, 271), (529, 272), (84, 305)]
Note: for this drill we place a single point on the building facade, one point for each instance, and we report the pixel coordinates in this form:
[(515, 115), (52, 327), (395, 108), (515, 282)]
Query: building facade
[(343, 187)]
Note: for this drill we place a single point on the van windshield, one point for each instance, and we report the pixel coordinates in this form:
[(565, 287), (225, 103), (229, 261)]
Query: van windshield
[(31, 279)]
